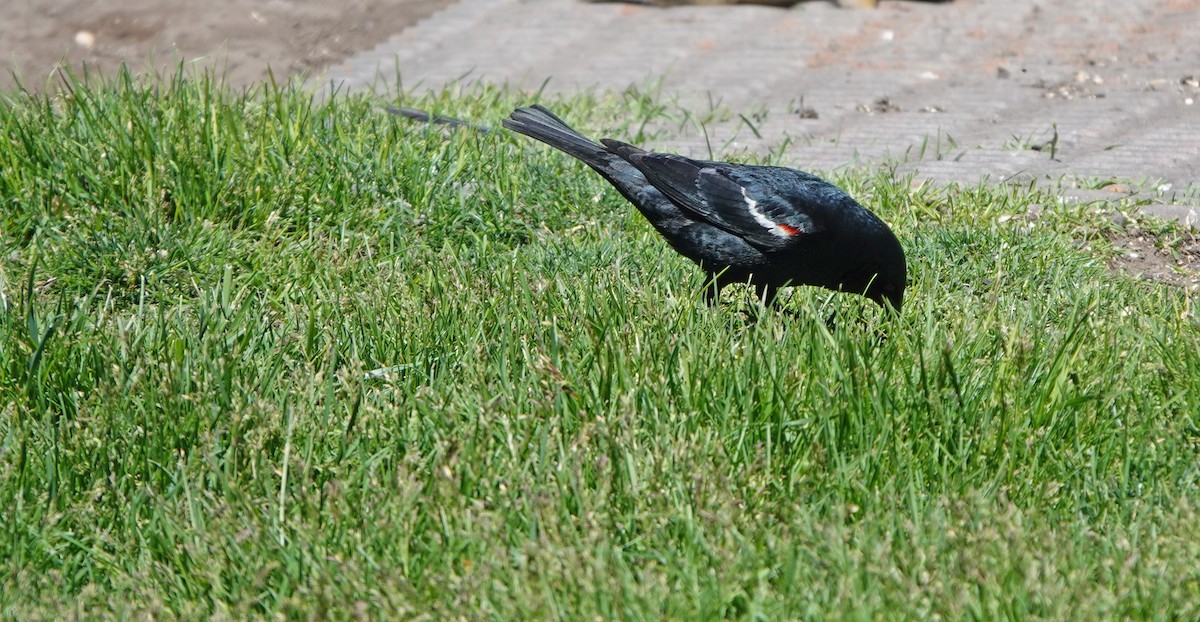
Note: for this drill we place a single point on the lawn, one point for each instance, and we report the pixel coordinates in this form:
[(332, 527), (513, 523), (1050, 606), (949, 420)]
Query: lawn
[(268, 355)]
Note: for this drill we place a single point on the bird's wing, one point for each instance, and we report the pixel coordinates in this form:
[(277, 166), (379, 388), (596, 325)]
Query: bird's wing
[(748, 208)]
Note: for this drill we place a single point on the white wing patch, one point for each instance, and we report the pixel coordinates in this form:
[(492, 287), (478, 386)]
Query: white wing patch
[(781, 230)]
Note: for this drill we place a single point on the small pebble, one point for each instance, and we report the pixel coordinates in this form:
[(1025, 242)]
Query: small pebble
[(85, 39)]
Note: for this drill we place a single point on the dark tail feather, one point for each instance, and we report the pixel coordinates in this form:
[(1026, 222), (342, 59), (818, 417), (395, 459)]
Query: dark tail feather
[(540, 124), (425, 117)]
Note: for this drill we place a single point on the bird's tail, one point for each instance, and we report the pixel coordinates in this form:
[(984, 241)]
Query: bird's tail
[(540, 124), (425, 117), (608, 159)]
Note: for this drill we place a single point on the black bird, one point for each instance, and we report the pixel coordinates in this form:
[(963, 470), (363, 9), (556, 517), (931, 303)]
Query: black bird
[(764, 225)]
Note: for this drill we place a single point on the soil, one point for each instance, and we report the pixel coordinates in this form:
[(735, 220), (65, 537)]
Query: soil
[(240, 38), (1174, 261)]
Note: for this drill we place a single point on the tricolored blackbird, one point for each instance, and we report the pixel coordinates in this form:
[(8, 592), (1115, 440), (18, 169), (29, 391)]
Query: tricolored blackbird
[(764, 225)]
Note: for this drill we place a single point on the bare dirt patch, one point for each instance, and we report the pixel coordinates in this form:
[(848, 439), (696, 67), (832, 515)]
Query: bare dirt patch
[(241, 38), (1170, 261)]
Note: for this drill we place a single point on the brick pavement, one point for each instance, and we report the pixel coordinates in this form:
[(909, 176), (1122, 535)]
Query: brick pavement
[(958, 92)]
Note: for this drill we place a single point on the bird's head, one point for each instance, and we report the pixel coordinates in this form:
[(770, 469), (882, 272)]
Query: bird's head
[(891, 277), (882, 276), (887, 291), (882, 284)]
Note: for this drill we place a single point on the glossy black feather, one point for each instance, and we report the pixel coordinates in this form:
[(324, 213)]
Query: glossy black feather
[(768, 226), (709, 191)]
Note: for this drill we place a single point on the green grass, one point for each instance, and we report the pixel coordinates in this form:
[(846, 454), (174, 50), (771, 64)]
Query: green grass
[(265, 356)]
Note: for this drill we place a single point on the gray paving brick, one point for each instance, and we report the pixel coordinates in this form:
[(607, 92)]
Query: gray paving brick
[(976, 82)]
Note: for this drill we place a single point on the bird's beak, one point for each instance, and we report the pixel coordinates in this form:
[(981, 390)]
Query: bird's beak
[(889, 299)]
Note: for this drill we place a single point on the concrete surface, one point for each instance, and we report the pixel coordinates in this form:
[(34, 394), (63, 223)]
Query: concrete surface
[(961, 92)]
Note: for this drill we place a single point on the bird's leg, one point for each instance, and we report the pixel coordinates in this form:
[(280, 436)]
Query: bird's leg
[(831, 321), (712, 290), (766, 293)]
